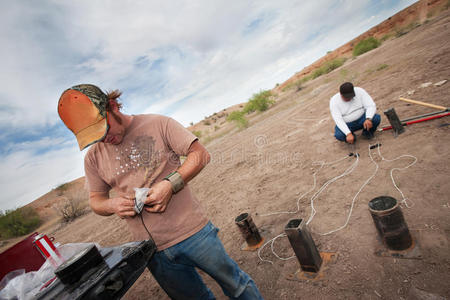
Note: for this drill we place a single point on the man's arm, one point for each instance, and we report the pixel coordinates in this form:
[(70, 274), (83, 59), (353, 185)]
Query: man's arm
[(368, 103), (338, 119), (161, 192), (102, 205), (197, 158)]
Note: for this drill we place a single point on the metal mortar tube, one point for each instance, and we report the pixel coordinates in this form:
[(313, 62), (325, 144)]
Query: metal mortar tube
[(248, 229)]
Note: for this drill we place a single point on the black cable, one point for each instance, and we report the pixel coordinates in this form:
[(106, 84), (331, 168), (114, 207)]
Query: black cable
[(146, 229)]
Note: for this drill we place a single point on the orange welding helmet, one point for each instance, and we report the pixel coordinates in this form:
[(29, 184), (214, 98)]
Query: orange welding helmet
[(82, 108)]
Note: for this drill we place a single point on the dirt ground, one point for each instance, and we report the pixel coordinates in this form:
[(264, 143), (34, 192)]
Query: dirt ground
[(268, 166)]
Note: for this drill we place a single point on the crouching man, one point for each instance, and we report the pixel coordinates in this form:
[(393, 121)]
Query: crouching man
[(353, 109), (136, 151)]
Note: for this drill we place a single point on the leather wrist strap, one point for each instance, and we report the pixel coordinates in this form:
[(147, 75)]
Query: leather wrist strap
[(176, 180)]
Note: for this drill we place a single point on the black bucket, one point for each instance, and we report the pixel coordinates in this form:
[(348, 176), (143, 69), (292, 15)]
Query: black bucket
[(390, 224)]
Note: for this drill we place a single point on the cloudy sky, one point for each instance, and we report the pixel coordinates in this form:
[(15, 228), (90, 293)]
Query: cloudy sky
[(184, 59)]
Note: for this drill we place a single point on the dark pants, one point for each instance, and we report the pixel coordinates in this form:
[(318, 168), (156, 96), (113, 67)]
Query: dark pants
[(357, 125)]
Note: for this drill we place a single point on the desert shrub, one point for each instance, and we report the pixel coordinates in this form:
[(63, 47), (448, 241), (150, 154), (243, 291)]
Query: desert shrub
[(207, 122), (404, 30), (328, 67), (60, 189), (365, 46), (376, 68), (18, 222), (306, 78), (216, 128), (381, 67), (72, 206), (297, 85), (259, 102), (239, 118), (385, 37), (197, 133)]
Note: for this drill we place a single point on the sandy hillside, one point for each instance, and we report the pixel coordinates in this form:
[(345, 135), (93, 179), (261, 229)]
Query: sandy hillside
[(268, 166)]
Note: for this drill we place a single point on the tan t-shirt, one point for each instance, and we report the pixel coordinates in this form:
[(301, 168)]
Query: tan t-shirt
[(150, 150)]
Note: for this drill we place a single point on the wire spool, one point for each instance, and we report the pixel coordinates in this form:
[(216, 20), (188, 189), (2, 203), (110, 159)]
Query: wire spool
[(75, 267)]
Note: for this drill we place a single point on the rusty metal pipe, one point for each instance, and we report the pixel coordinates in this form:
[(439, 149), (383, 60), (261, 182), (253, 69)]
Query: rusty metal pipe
[(304, 247), (391, 226), (248, 229)]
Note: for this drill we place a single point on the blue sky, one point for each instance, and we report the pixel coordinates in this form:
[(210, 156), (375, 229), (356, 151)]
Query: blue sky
[(184, 59)]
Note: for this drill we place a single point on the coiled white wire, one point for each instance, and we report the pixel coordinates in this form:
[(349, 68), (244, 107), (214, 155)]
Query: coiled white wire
[(325, 185)]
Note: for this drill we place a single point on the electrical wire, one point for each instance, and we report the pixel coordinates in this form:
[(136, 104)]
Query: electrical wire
[(146, 229), (325, 185)]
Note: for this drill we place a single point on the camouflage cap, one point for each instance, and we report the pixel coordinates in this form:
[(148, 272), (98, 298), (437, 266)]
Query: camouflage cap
[(82, 108), (95, 94)]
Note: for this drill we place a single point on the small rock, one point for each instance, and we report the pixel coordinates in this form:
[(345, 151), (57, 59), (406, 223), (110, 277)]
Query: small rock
[(411, 92), (426, 84), (442, 82)]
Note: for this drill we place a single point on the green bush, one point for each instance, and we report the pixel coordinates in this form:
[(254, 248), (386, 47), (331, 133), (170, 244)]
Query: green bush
[(298, 85), (328, 67), (60, 189), (365, 46), (404, 30), (381, 67), (259, 102), (239, 118), (385, 37), (18, 222), (197, 133)]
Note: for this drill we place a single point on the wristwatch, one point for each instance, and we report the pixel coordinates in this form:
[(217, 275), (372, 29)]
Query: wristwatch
[(176, 180)]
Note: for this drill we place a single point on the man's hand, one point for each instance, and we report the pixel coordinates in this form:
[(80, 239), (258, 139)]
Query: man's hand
[(101, 204), (123, 207), (350, 138), (367, 124), (158, 197)]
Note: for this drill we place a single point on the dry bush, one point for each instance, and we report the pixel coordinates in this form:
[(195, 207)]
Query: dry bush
[(60, 189), (73, 205)]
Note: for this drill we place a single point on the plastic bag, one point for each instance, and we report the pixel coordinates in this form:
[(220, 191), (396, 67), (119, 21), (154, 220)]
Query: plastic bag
[(141, 195), (27, 285)]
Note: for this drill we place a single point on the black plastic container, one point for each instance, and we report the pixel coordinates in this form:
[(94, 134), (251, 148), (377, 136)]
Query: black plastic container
[(390, 224), (105, 277)]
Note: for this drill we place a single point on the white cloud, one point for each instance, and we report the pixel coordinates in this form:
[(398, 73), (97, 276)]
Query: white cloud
[(26, 177)]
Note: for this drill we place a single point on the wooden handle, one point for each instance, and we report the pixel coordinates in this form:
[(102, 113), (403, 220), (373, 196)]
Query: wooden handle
[(423, 103)]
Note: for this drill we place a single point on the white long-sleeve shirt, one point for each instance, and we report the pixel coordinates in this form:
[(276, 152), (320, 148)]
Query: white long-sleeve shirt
[(344, 112)]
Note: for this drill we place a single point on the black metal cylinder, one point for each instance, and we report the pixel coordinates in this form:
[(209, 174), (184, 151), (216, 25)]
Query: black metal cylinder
[(304, 247), (390, 224), (248, 229)]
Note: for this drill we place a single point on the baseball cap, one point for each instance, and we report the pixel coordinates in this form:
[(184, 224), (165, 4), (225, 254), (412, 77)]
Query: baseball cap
[(347, 91), (82, 108)]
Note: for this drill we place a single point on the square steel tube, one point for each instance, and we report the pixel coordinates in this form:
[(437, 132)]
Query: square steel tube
[(304, 247)]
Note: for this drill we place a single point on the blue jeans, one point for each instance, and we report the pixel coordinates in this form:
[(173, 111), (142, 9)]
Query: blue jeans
[(174, 269), (357, 125)]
